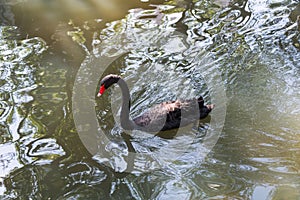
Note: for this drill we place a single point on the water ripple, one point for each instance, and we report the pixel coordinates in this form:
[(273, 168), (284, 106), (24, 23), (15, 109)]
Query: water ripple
[(255, 45)]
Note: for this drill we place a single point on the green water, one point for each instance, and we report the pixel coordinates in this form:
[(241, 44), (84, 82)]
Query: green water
[(242, 56)]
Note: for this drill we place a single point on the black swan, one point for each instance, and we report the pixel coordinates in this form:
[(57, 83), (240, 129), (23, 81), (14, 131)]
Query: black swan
[(162, 117)]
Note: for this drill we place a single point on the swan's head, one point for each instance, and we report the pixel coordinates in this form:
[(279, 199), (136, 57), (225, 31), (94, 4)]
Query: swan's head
[(106, 82)]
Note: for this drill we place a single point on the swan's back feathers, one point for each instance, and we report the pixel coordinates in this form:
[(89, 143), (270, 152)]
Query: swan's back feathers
[(168, 115)]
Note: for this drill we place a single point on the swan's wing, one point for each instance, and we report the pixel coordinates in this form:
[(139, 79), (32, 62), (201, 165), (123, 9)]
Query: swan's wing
[(182, 114), (164, 116), (153, 118)]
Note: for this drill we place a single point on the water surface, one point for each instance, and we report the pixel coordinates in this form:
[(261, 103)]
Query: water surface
[(253, 46)]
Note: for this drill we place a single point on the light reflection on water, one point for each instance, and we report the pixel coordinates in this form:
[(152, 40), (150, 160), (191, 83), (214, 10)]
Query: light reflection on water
[(257, 49)]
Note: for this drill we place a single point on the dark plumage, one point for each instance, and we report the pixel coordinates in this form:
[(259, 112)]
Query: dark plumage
[(161, 117)]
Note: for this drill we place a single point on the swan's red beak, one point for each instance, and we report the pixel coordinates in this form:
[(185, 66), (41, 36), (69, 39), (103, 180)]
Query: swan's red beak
[(101, 91)]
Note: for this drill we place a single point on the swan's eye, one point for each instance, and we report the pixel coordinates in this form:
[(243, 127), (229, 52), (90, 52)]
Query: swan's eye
[(101, 91)]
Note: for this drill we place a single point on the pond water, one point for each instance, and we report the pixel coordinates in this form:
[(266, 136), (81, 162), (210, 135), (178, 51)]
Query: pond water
[(242, 56)]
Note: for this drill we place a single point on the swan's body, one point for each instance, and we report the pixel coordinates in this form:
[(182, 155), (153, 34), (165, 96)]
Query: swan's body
[(161, 117)]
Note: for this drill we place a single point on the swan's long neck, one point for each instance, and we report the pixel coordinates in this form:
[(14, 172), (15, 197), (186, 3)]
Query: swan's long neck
[(126, 123)]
